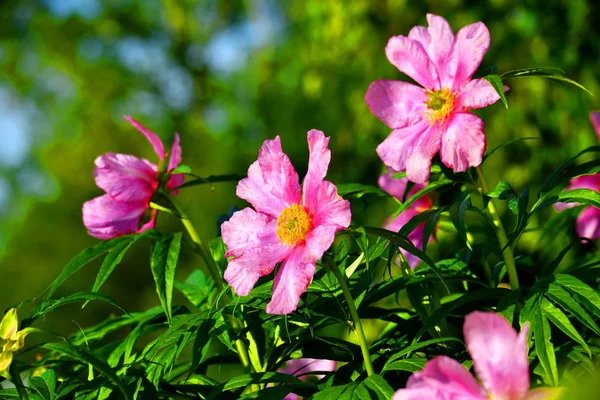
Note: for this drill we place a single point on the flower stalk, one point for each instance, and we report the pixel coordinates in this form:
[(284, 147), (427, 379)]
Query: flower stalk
[(507, 252), (213, 269), (356, 323)]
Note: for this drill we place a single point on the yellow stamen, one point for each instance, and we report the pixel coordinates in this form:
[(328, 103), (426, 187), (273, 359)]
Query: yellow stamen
[(440, 105), (293, 224)]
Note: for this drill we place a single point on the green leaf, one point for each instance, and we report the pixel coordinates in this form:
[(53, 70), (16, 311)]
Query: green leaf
[(357, 190), (112, 259), (545, 72), (560, 296), (196, 288), (583, 196), (502, 191), (163, 263), (374, 387), (414, 347), (212, 179), (82, 259), (181, 169), (457, 216), (52, 304), (542, 338), (500, 146), (496, 83), (585, 294), (79, 354), (45, 385), (409, 365), (265, 377), (568, 170), (560, 320)]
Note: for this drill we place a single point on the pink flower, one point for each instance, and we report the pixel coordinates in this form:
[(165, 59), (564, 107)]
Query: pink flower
[(588, 221), (499, 358), (304, 369), (396, 188), (434, 117), (292, 224), (129, 183)]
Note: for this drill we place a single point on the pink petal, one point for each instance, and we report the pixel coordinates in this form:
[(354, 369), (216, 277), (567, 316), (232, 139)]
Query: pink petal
[(302, 367), (125, 177), (154, 140), (411, 149), (174, 154), (595, 119), (463, 143), (437, 40), (470, 45), (499, 354), (448, 376), (252, 239), (174, 182), (291, 281), (478, 93), (424, 393), (581, 182), (272, 183), (107, 218), (397, 104), (588, 223), (319, 240), (410, 57), (320, 197)]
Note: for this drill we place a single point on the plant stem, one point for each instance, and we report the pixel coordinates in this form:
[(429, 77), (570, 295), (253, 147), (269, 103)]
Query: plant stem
[(16, 378), (216, 276), (357, 325), (507, 252)]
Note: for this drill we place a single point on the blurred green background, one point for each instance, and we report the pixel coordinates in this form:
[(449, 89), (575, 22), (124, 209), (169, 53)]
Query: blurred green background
[(226, 75)]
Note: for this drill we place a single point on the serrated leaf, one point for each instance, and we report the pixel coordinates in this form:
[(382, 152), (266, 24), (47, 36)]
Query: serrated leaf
[(374, 387), (496, 82), (582, 196), (163, 263), (358, 190), (45, 385), (196, 288), (409, 365), (502, 191), (112, 259), (542, 338), (587, 296), (560, 296)]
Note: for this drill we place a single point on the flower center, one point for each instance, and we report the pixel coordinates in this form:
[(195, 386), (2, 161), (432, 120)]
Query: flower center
[(440, 105), (293, 224)]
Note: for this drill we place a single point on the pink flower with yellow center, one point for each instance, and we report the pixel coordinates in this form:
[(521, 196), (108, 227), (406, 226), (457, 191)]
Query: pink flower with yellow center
[(499, 358), (290, 224), (433, 117), (129, 183), (396, 187), (588, 221)]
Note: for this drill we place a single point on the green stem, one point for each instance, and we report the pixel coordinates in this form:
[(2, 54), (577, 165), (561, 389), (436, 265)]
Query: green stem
[(216, 276), (507, 252), (16, 379), (357, 325)]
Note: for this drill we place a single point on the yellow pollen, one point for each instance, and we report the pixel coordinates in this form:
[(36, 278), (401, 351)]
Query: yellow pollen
[(293, 224), (440, 105)]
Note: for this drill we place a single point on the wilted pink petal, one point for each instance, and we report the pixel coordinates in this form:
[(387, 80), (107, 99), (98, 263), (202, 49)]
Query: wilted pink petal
[(154, 140), (272, 183), (499, 354), (437, 40), (463, 143), (595, 119), (478, 93), (588, 223), (470, 45), (106, 218), (125, 177), (410, 57), (397, 104), (292, 279), (411, 149), (448, 376)]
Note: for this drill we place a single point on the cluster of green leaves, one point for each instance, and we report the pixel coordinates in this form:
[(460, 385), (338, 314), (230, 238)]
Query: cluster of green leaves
[(171, 351)]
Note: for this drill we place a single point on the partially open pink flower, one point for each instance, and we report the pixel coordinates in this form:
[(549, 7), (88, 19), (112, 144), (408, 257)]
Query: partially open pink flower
[(129, 183), (396, 187), (588, 221), (434, 117), (290, 224), (499, 358), (305, 369)]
